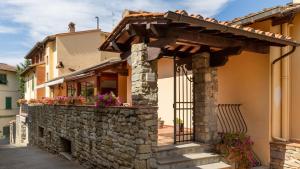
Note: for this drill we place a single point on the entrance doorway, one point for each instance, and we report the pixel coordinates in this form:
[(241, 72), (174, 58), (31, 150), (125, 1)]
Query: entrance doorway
[(175, 102)]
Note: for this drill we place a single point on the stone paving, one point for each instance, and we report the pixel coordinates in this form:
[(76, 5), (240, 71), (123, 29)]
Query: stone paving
[(12, 157)]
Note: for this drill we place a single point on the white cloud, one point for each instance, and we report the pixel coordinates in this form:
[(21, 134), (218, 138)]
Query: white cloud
[(12, 58), (7, 29), (44, 17)]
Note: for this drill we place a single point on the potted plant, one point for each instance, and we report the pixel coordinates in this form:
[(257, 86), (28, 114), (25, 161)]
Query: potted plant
[(179, 124), (106, 100), (160, 123), (237, 150)]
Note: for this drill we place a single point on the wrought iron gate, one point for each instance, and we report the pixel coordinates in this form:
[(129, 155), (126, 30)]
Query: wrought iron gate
[(183, 101)]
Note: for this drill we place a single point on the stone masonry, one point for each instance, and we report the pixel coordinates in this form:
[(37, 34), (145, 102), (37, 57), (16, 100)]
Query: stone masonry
[(285, 155), (144, 96), (205, 91), (113, 138), (144, 77)]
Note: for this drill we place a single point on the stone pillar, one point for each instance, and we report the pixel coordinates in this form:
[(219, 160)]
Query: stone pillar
[(205, 91), (144, 97), (144, 77)]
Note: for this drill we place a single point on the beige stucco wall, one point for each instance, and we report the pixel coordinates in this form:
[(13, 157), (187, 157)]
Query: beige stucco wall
[(165, 91), (245, 80), (9, 90), (80, 50), (295, 83)]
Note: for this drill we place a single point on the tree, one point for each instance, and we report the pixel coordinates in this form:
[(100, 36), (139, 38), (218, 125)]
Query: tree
[(20, 68)]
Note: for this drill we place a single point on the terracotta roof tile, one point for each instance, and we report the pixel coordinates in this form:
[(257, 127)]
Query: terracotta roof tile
[(212, 20), (279, 9), (7, 67)]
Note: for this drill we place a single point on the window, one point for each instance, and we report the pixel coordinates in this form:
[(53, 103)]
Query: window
[(87, 91), (71, 90), (8, 103), (109, 83), (3, 79)]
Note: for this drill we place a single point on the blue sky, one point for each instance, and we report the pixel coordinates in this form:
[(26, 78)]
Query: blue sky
[(24, 22)]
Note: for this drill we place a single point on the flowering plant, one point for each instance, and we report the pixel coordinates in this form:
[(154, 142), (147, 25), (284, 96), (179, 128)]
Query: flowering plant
[(62, 100), (48, 101), (237, 148), (75, 100), (35, 102), (22, 101), (107, 100)]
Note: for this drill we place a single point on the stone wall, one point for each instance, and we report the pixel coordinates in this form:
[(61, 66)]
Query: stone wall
[(114, 138), (205, 91), (285, 155)]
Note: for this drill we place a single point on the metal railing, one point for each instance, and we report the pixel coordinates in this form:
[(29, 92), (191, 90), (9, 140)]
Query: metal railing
[(231, 119)]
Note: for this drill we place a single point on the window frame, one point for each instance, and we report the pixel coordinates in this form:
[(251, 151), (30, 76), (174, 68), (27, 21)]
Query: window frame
[(5, 81), (8, 106)]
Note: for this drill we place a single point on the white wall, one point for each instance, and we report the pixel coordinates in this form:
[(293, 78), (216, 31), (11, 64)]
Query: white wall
[(9, 90)]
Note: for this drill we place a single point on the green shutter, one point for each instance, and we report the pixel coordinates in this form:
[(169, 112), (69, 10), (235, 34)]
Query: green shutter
[(8, 103), (3, 79)]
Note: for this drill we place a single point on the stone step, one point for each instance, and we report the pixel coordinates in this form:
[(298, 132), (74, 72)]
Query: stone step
[(176, 150), (218, 165), (187, 160)]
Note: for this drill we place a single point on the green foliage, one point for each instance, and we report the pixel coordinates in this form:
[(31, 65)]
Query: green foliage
[(20, 68)]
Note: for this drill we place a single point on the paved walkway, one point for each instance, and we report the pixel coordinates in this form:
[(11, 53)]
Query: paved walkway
[(12, 157)]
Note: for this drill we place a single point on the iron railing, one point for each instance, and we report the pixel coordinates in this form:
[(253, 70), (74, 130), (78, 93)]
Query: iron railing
[(231, 119)]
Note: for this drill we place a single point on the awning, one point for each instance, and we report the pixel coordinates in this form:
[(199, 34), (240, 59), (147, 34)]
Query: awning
[(55, 82), (41, 86)]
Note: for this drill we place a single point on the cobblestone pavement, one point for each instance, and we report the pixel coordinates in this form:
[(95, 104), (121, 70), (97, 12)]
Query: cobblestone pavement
[(12, 157)]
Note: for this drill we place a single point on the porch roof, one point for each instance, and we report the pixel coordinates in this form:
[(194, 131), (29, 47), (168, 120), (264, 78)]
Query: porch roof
[(87, 72), (178, 32)]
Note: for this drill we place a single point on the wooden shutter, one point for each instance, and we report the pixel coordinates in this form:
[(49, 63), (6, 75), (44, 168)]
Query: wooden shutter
[(8, 102)]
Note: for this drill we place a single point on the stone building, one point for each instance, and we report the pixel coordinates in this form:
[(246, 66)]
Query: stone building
[(178, 68)]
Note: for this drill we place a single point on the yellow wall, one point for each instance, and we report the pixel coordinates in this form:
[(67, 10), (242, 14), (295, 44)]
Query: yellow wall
[(245, 80), (295, 82), (80, 50), (165, 91)]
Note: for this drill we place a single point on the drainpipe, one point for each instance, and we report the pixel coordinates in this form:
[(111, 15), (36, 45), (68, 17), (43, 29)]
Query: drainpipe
[(284, 82)]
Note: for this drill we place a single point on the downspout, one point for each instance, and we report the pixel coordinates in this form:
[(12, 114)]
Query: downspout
[(273, 63)]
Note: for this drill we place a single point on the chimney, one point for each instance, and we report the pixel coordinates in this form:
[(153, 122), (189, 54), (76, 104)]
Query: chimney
[(71, 27), (296, 1)]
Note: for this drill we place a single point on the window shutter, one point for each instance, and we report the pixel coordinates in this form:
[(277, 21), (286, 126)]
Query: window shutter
[(3, 79), (8, 102)]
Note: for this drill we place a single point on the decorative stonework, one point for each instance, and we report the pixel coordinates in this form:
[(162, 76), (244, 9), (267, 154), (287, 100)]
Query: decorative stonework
[(113, 138), (144, 77), (285, 155), (205, 91)]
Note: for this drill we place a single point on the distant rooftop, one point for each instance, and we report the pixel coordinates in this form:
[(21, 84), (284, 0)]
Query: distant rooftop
[(4, 66)]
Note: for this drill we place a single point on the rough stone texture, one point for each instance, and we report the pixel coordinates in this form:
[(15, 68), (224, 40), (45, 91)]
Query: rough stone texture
[(144, 89), (205, 91), (114, 138), (285, 155)]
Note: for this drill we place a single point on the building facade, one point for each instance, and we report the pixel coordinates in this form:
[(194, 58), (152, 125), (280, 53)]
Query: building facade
[(9, 94), (60, 54)]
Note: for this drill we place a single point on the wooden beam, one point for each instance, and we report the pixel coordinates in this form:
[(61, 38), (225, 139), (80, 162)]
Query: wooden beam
[(216, 41), (162, 42), (152, 28), (153, 53), (114, 45), (220, 58)]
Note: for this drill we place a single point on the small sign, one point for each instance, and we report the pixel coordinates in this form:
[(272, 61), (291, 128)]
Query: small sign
[(150, 77)]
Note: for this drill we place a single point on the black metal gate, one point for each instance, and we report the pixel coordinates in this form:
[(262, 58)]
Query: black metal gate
[(183, 101)]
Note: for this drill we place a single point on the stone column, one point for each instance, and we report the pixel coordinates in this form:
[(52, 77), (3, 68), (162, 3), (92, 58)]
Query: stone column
[(144, 97), (205, 91), (144, 77)]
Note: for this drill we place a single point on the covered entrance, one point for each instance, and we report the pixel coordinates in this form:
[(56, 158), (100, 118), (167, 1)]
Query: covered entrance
[(198, 47)]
